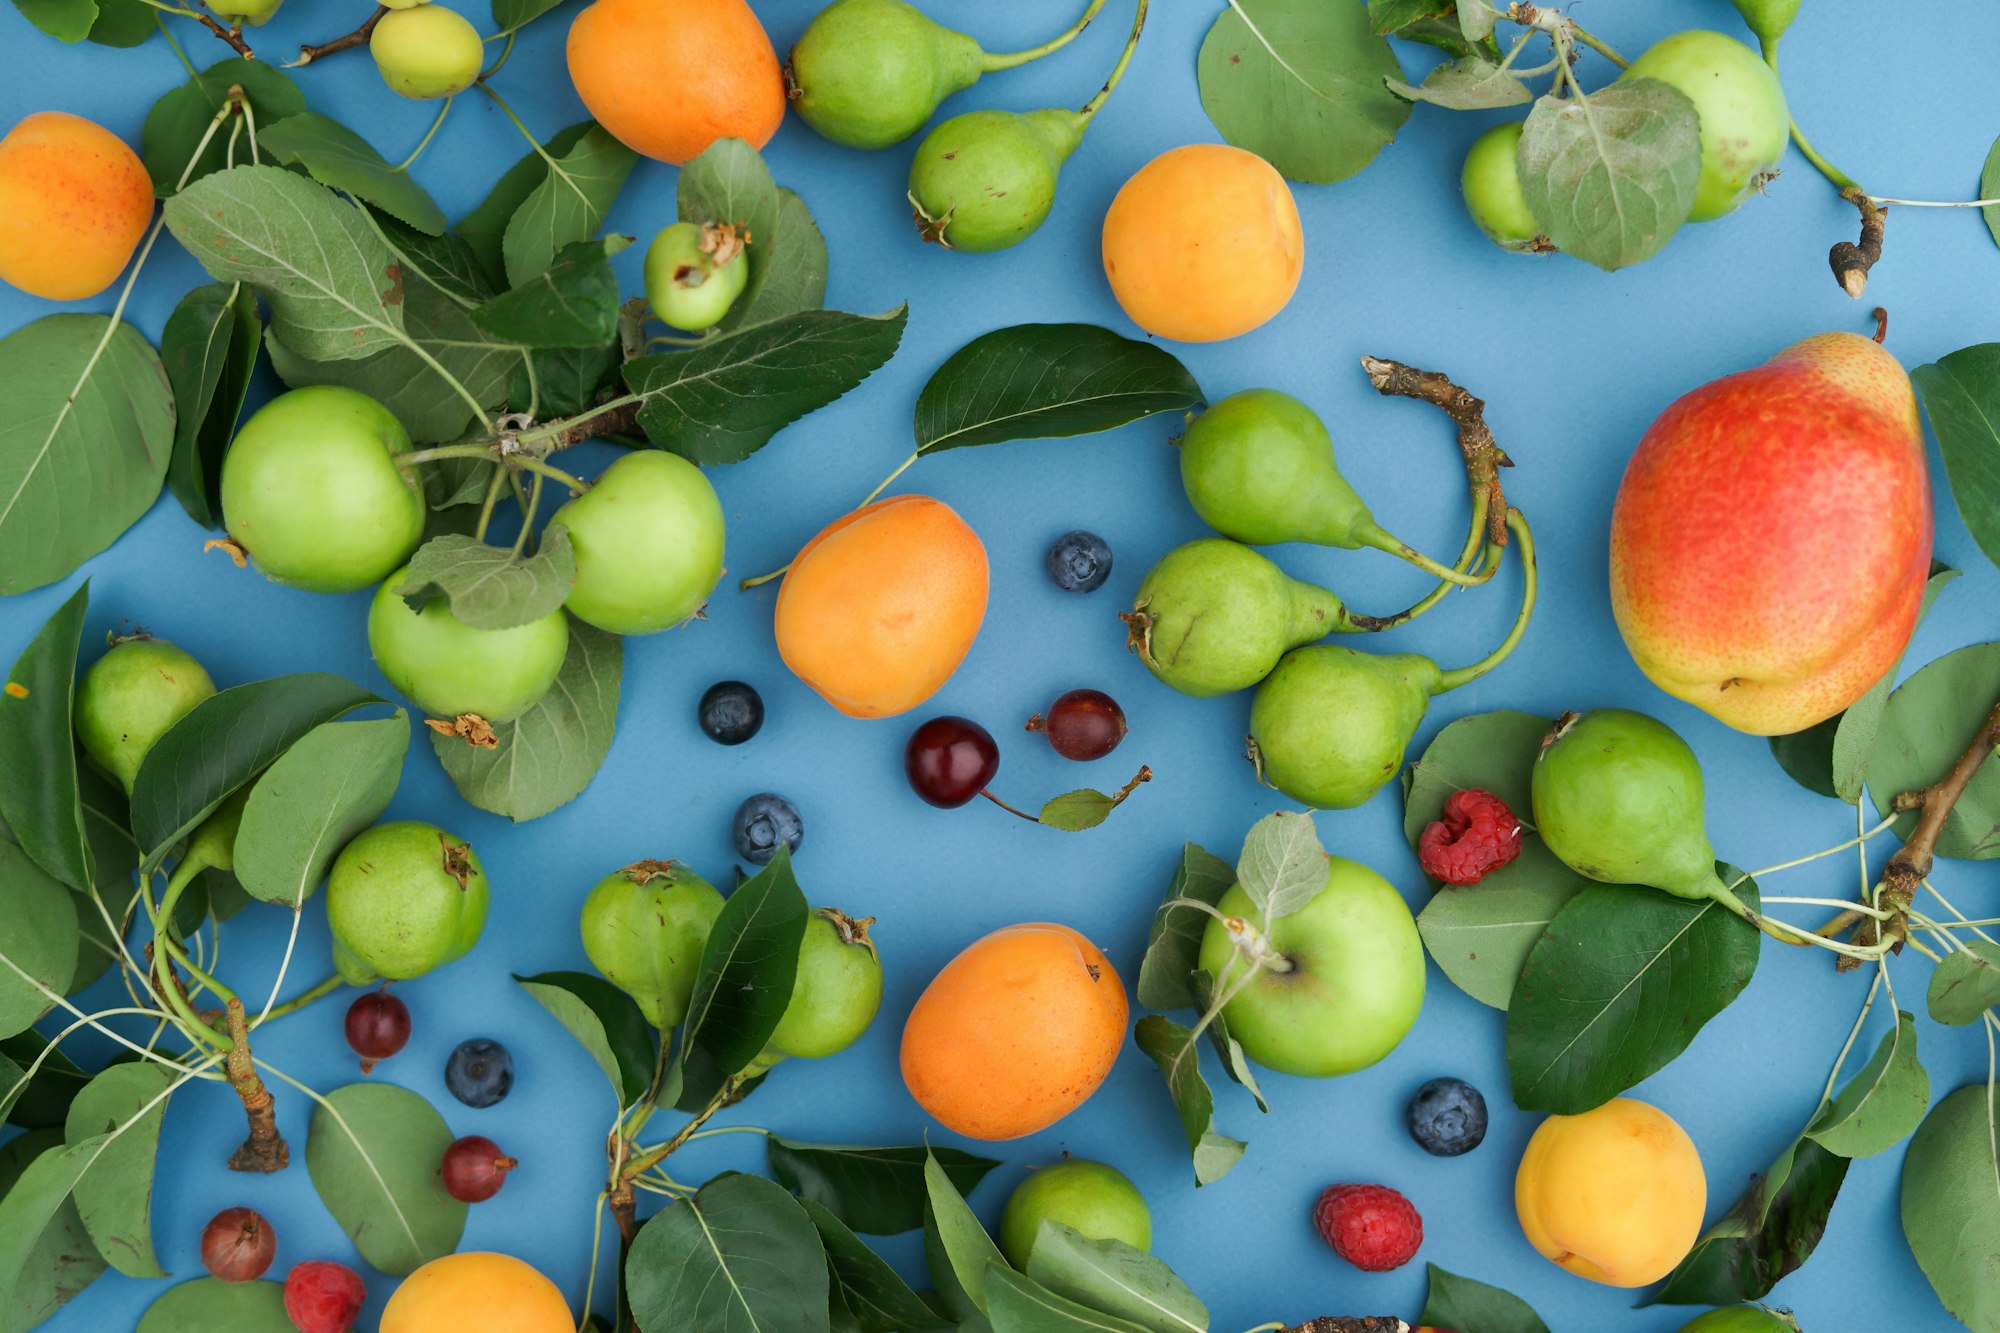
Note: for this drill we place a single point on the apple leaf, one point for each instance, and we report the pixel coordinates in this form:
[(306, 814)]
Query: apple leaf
[(1172, 1047), (1612, 176), (1283, 866), (1174, 944), (334, 155)]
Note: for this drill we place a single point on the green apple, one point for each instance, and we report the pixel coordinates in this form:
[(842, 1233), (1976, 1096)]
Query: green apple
[(1741, 1319), (449, 668), (647, 537), (1744, 123), (427, 51), (1492, 185), (694, 274), (1087, 1197)]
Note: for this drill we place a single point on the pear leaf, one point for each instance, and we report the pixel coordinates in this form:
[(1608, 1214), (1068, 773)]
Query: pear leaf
[(1951, 1208), (1961, 394)]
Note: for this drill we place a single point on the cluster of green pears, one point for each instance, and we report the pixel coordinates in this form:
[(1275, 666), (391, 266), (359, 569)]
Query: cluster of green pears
[(1328, 725), (871, 73), (644, 928)]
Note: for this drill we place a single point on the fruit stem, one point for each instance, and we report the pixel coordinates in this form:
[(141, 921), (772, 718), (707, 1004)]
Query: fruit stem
[(359, 37), (298, 1002), (745, 585), (1517, 524), (1475, 543), (1483, 455), (1008, 808), (1375, 535), (1095, 104), (990, 62), (506, 52), (1911, 865), (1851, 260), (429, 134), (901, 468), (494, 485), (1840, 179), (652, 1157)]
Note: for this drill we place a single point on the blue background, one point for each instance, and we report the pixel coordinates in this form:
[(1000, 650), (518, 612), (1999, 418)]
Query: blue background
[(1574, 364)]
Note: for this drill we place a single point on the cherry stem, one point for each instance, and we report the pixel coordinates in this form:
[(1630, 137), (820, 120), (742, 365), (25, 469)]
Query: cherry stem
[(359, 37), (1524, 541), (1096, 104), (1008, 808), (1009, 60)]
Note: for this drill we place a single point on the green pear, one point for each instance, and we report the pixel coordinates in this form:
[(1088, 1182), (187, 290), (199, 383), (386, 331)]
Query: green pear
[(1329, 726), (131, 697), (644, 929), (986, 180), (836, 992), (403, 898), (1258, 466)]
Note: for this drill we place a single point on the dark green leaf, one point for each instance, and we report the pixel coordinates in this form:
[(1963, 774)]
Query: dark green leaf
[(336, 156), (1075, 811), (606, 1022), (178, 120), (1172, 1047), (485, 226), (729, 183), (1472, 83), (123, 23), (46, 1256), (1018, 1304), (39, 794), (1807, 756), (490, 587), (209, 349), (114, 853), (84, 443), (224, 742), (373, 1154), (335, 781), (1989, 181), (1854, 741), (795, 278), (569, 203), (549, 754), (1618, 986), (1928, 722), (1460, 1303), (879, 1191), (1966, 984), (1174, 944), (1111, 1276), (741, 1256), (210, 1305), (44, 1102), (1951, 1205), (566, 381), (1045, 381), (957, 1249), (866, 1287), (448, 262), (1387, 16), (64, 20), (748, 966), (1882, 1104), (1961, 394), (114, 1195), (38, 940), (1766, 1234), (724, 400), (572, 303), (1611, 177), (515, 14), (1299, 83)]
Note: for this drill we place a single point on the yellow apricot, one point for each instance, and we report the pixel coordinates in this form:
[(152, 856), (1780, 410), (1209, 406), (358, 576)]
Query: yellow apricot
[(1203, 243), (74, 201), (477, 1293), (1615, 1194)]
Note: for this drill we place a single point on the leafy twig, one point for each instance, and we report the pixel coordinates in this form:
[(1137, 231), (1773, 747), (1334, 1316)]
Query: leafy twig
[(359, 37), (1483, 454)]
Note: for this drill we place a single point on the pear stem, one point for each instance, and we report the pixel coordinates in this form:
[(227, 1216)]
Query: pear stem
[(1851, 260), (1373, 534), (1475, 541), (989, 62), (1483, 455), (1517, 524), (1095, 104)]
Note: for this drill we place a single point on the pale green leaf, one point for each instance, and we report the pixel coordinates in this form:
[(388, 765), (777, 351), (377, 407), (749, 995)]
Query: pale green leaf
[(491, 587), (1612, 176), (373, 1155)]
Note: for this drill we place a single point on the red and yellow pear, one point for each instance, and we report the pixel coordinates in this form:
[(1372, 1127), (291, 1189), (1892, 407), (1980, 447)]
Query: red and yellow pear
[(1772, 536)]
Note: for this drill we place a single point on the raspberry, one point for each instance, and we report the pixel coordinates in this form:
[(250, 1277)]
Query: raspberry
[(323, 1297), (1477, 836), (1371, 1226)]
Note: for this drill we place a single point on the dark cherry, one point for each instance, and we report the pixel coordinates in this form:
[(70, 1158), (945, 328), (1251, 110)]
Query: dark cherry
[(950, 760), (474, 1169), (378, 1025), (1083, 724)]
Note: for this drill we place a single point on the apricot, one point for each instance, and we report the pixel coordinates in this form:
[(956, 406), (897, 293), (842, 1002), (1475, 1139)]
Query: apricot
[(477, 1292), (669, 77), (880, 608), (1203, 243), (74, 201), (1015, 1033), (1615, 1194)]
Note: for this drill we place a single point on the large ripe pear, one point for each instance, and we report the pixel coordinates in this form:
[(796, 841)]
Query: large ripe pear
[(1772, 536)]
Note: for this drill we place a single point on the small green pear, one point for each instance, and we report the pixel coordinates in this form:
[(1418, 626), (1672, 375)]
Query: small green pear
[(1258, 466), (404, 898), (1329, 726), (644, 929), (836, 992), (986, 180), (132, 696)]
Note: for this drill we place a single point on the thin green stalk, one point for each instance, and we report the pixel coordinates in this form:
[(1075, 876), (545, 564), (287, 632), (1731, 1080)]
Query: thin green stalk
[(1854, 1033), (528, 516), (1841, 180), (730, 1129), (429, 134), (1095, 104), (1524, 542), (444, 451), (300, 1001), (505, 52), (494, 485), (549, 470), (652, 1157), (167, 33), (1597, 44), (508, 112), (1012, 59)]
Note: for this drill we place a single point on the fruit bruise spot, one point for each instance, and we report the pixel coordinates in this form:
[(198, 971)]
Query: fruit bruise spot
[(1096, 972)]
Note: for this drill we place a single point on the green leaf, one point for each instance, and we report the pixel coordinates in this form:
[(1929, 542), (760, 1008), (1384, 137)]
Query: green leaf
[(568, 381), (1766, 1234), (1018, 1304), (1075, 811), (1230, 1051), (46, 1256), (114, 1195), (1989, 181), (1299, 83), (64, 20), (373, 1154), (337, 157), (1961, 394), (1882, 1104), (568, 205), (224, 742), (729, 183), (1807, 756), (447, 261), (795, 278), (1048, 381), (741, 1256), (1172, 1047), (513, 15), (209, 349), (1173, 946), (606, 1022), (490, 587), (957, 1249), (38, 940), (1966, 984), (179, 119), (84, 443), (335, 781), (122, 23), (1928, 722), (572, 303), (549, 754), (485, 227), (865, 1286), (880, 1191), (724, 400), (210, 1305), (1854, 740), (1618, 985), (1388, 16), (1472, 83), (1461, 1303), (1283, 866), (44, 1101), (1612, 176), (107, 829), (1111, 1276), (748, 967), (1951, 1205), (39, 793)]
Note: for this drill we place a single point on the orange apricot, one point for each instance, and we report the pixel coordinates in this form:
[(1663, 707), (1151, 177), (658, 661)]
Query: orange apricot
[(1203, 243), (1015, 1033), (477, 1293), (74, 201), (880, 608), (670, 77)]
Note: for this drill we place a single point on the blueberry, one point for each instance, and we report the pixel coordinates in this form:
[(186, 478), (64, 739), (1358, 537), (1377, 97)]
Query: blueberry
[(1080, 562), (1447, 1117), (731, 712), (764, 821), (479, 1072)]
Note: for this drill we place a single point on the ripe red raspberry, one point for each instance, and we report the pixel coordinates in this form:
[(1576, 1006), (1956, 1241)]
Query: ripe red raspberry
[(1477, 836), (1371, 1226), (323, 1297)]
